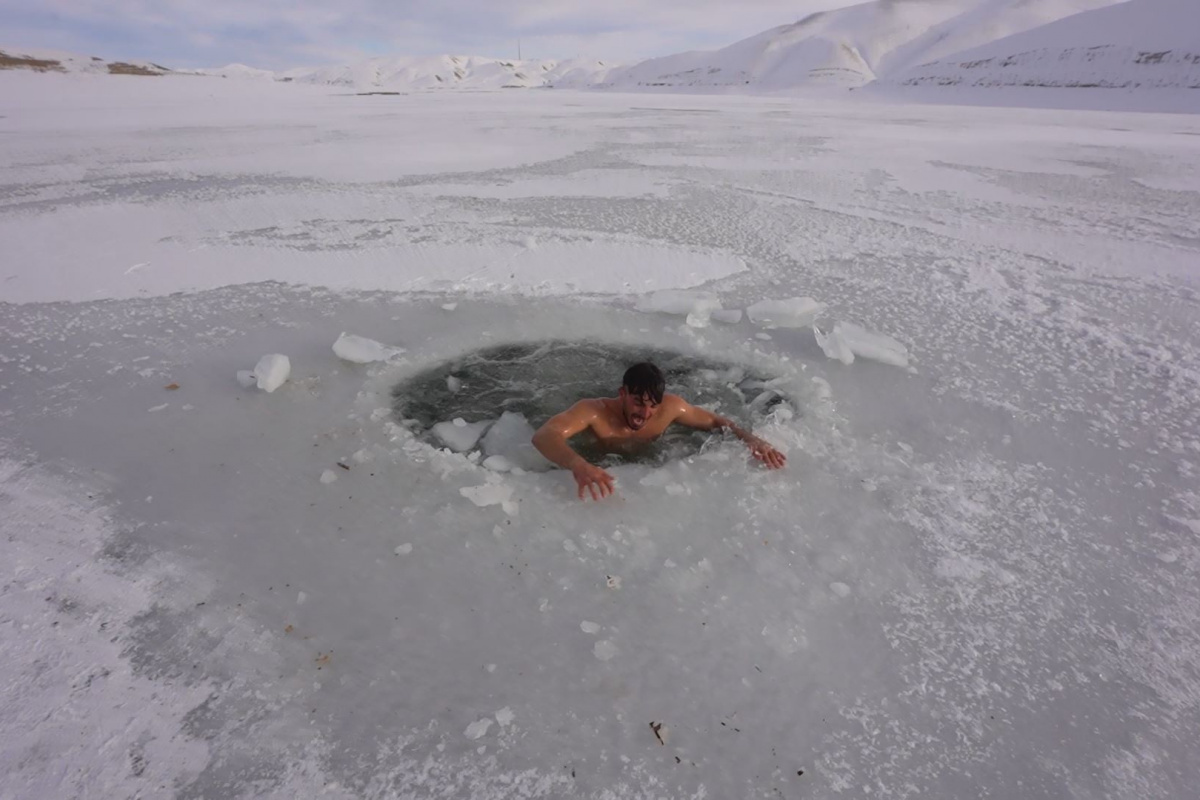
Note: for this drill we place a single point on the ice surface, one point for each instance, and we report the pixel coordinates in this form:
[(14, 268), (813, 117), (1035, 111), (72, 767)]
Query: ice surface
[(511, 438), (795, 312), (271, 371), (955, 568), (460, 435), (246, 379), (361, 350)]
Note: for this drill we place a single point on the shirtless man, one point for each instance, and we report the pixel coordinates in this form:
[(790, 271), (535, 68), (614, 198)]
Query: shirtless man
[(640, 412)]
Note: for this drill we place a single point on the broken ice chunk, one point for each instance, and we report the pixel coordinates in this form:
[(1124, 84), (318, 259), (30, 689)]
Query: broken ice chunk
[(875, 346), (848, 340), (453, 383), (793, 312), (681, 303), (730, 316), (460, 435), (604, 650), (833, 345), (490, 494), (271, 371), (361, 350), (511, 437), (497, 464), (478, 728)]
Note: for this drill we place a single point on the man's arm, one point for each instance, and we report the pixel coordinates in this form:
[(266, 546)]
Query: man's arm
[(551, 441), (705, 420)]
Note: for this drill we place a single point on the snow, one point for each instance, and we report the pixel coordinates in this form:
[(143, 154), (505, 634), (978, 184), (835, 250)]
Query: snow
[(361, 350), (958, 568), (271, 371)]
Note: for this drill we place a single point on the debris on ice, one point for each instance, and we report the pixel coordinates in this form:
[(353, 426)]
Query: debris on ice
[(361, 350), (328, 476), (505, 717), (460, 435), (271, 371), (403, 549), (793, 312)]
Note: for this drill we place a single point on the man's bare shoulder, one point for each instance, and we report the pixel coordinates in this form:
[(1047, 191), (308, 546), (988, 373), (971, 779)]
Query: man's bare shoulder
[(588, 408), (673, 404)]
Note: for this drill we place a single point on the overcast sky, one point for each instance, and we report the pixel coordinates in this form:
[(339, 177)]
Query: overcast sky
[(277, 34)]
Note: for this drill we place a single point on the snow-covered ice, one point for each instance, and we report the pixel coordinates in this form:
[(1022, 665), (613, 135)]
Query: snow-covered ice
[(976, 579)]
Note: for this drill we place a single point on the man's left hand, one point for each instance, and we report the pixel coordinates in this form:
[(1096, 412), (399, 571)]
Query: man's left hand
[(772, 458)]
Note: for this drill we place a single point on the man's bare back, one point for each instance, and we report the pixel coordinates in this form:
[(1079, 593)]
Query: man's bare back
[(641, 412)]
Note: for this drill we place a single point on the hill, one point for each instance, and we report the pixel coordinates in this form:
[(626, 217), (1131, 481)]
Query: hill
[(847, 47), (1141, 44)]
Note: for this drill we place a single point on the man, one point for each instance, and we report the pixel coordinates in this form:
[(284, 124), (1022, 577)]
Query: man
[(640, 412)]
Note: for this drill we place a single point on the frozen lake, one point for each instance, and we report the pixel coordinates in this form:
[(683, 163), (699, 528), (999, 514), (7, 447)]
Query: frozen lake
[(977, 576)]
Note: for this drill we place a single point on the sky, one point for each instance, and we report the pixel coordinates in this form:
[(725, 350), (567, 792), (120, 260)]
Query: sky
[(277, 34)]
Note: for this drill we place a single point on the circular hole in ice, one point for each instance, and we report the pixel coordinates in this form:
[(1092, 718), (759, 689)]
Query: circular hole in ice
[(524, 384)]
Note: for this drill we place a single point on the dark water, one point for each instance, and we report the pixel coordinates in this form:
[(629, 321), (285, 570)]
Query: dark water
[(540, 379)]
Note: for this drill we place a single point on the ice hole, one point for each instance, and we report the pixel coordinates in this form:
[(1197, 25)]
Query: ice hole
[(539, 379)]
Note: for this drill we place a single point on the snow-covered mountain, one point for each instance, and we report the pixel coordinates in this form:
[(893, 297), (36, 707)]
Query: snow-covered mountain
[(406, 73), (1138, 44), (848, 47), (41, 60)]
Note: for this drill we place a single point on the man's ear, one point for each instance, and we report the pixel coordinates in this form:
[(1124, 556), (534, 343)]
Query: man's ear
[(621, 392)]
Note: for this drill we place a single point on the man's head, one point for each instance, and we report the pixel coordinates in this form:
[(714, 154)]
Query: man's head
[(641, 393)]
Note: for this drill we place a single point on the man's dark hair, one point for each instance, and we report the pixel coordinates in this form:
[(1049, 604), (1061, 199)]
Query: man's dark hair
[(645, 379)]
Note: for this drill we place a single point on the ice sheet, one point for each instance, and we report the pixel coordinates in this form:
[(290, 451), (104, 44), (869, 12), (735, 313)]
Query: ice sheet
[(955, 567)]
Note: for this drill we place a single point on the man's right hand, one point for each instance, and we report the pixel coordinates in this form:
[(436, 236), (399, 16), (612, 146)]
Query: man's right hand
[(594, 480)]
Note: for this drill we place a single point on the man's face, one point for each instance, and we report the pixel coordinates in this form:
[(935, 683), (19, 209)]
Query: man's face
[(637, 409)]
